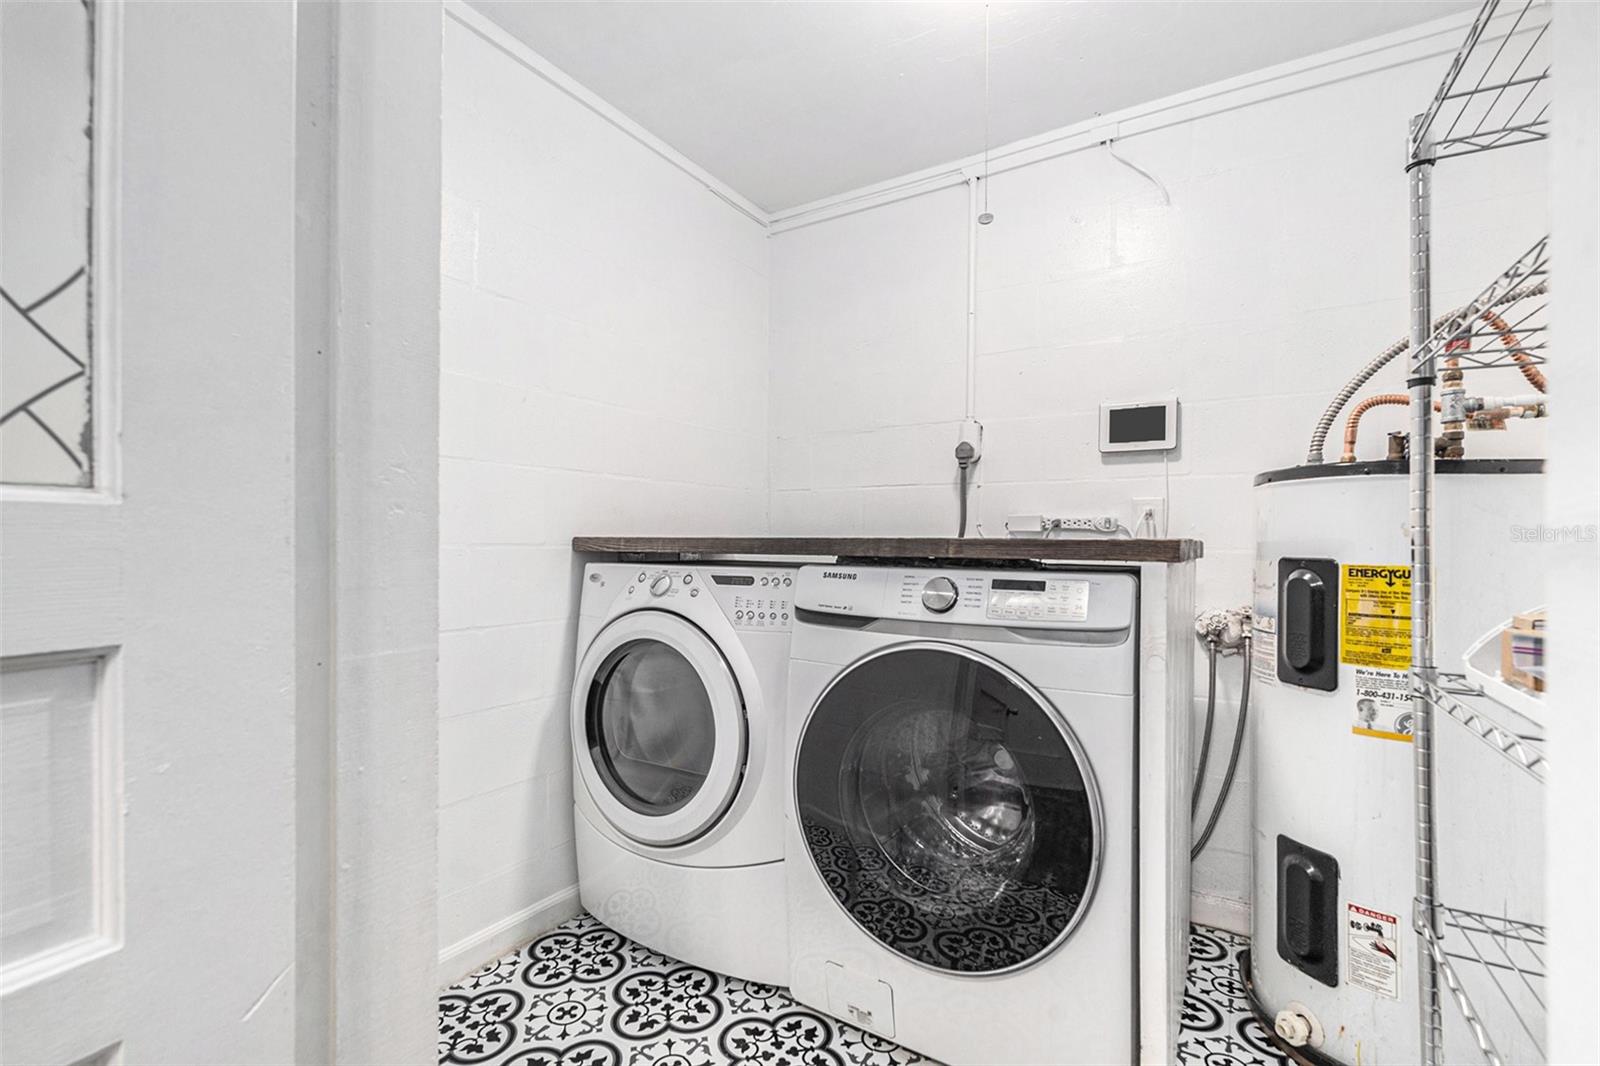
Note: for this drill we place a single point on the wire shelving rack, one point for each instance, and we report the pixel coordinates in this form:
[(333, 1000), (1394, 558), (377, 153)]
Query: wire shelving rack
[(1495, 94)]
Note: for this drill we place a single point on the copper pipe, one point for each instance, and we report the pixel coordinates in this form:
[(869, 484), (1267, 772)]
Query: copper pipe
[(1352, 425), (1523, 360)]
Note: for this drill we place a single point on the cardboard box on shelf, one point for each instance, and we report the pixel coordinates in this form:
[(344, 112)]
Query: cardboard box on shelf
[(1522, 650)]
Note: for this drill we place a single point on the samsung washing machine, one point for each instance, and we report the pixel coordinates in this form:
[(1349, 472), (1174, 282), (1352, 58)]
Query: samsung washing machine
[(961, 811), (677, 738)]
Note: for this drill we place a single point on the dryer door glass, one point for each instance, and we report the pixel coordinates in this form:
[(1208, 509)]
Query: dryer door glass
[(650, 726), (949, 808)]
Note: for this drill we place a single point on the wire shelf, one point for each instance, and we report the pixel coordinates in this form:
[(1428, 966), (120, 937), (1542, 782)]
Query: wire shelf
[(1496, 93), (1505, 325), (1480, 713), (1509, 952)]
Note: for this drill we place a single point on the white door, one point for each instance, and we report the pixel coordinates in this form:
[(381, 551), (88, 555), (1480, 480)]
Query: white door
[(147, 577)]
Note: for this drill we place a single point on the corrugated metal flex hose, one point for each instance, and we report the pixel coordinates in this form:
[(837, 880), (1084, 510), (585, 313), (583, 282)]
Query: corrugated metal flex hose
[(1233, 757), (1319, 436)]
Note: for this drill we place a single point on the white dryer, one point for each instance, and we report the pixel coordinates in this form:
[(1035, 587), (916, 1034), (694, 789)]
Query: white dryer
[(962, 817), (677, 738)]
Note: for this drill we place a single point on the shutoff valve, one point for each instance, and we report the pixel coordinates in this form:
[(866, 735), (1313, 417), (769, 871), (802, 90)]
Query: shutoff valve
[(1225, 628)]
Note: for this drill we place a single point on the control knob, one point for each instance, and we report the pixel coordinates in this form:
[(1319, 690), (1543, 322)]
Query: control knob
[(661, 585), (939, 595)]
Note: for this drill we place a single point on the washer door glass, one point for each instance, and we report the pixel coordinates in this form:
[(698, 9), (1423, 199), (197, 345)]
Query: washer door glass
[(949, 808), (651, 731)]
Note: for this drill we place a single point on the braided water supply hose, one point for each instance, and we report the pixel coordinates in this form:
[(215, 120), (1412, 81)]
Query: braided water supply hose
[(1319, 436), (1223, 631)]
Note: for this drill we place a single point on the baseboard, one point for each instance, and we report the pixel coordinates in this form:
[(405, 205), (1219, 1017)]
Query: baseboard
[(467, 954), (1220, 912)]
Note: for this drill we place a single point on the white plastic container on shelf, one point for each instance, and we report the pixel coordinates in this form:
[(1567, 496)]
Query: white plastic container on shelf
[(1481, 664)]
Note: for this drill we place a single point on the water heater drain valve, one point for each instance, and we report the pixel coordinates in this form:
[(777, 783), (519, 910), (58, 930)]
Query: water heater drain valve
[(1297, 1026)]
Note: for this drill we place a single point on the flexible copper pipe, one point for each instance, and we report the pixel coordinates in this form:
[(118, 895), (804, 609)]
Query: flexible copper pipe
[(1523, 360), (1352, 425)]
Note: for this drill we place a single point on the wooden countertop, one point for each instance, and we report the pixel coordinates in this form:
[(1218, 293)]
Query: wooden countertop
[(978, 549)]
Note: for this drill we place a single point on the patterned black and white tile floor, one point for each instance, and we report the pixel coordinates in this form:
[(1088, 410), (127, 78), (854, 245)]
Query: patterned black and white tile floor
[(582, 995)]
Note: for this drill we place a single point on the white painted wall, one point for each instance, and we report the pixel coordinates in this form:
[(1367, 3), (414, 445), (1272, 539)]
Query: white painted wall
[(604, 370), (605, 362), (1276, 271), (1573, 827)]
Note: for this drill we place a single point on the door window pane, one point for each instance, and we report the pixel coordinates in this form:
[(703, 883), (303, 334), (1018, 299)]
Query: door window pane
[(651, 731), (46, 87), (947, 811)]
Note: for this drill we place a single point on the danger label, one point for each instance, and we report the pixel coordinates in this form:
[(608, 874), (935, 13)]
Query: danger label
[(1375, 616), (1374, 950), (1383, 705)]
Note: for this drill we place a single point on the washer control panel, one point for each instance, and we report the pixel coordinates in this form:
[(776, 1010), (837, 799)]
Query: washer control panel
[(1059, 598), (1097, 601)]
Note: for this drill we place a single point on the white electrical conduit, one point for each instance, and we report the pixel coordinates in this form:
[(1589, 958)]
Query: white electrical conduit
[(972, 298), (1166, 198), (966, 458)]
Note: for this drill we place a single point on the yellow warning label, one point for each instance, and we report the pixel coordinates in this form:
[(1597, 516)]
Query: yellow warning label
[(1375, 616)]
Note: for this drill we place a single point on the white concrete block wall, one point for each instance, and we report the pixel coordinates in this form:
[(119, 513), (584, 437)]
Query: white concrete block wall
[(607, 355), (1277, 270), (604, 369)]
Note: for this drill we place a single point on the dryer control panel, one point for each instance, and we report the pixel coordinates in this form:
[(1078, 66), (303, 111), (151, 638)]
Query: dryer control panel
[(753, 598), (756, 599)]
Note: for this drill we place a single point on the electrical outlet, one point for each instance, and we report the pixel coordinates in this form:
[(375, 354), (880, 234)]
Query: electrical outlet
[(972, 433), (1149, 516)]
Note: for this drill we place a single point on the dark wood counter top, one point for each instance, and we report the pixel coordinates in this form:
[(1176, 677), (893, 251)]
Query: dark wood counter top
[(973, 549)]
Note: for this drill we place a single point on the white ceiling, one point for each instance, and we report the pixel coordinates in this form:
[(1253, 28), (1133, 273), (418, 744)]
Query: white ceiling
[(788, 102)]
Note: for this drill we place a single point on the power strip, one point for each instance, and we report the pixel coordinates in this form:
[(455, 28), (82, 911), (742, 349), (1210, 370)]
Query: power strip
[(1038, 525)]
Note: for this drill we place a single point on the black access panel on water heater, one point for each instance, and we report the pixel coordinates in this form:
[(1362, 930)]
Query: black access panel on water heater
[(1308, 910), (1308, 623)]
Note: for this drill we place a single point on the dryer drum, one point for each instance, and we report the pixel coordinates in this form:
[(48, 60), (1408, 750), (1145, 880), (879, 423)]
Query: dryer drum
[(949, 808), (650, 727)]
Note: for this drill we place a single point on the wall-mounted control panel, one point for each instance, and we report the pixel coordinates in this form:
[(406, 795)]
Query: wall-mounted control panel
[(1139, 426)]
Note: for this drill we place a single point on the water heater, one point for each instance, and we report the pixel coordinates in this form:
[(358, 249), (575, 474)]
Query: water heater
[(1333, 948)]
